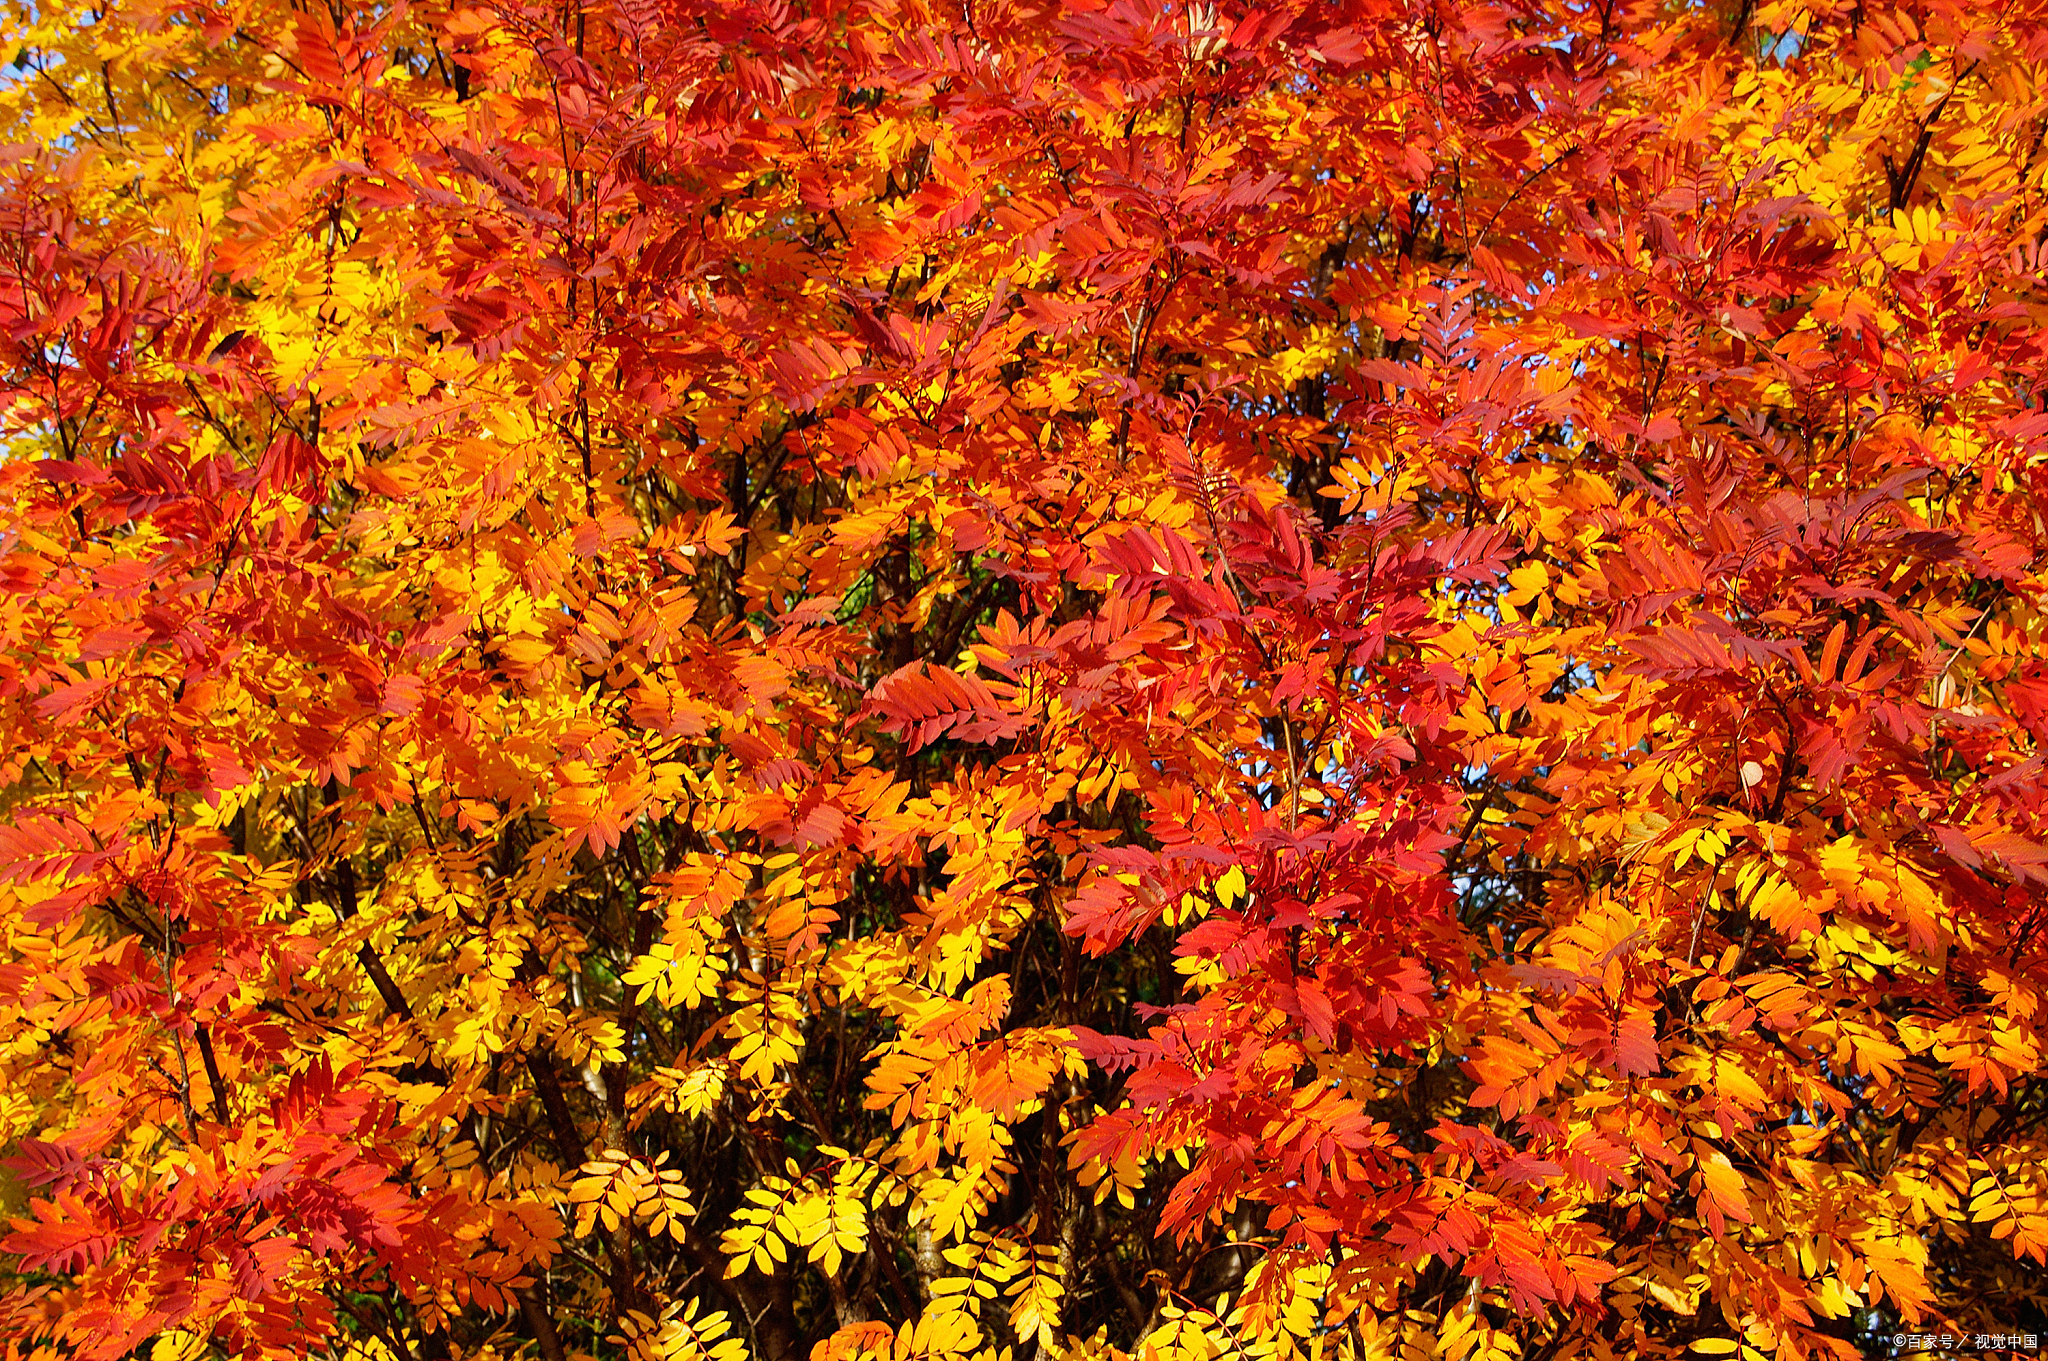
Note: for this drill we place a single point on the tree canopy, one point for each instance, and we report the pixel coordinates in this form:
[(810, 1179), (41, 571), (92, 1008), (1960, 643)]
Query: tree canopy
[(812, 680)]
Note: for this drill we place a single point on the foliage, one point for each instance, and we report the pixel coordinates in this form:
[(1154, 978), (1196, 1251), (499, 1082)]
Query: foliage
[(925, 678)]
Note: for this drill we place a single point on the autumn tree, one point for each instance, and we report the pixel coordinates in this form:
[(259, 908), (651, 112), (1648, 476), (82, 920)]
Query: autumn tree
[(1020, 679)]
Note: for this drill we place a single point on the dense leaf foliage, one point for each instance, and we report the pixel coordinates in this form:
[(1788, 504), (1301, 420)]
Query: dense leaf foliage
[(1013, 678)]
